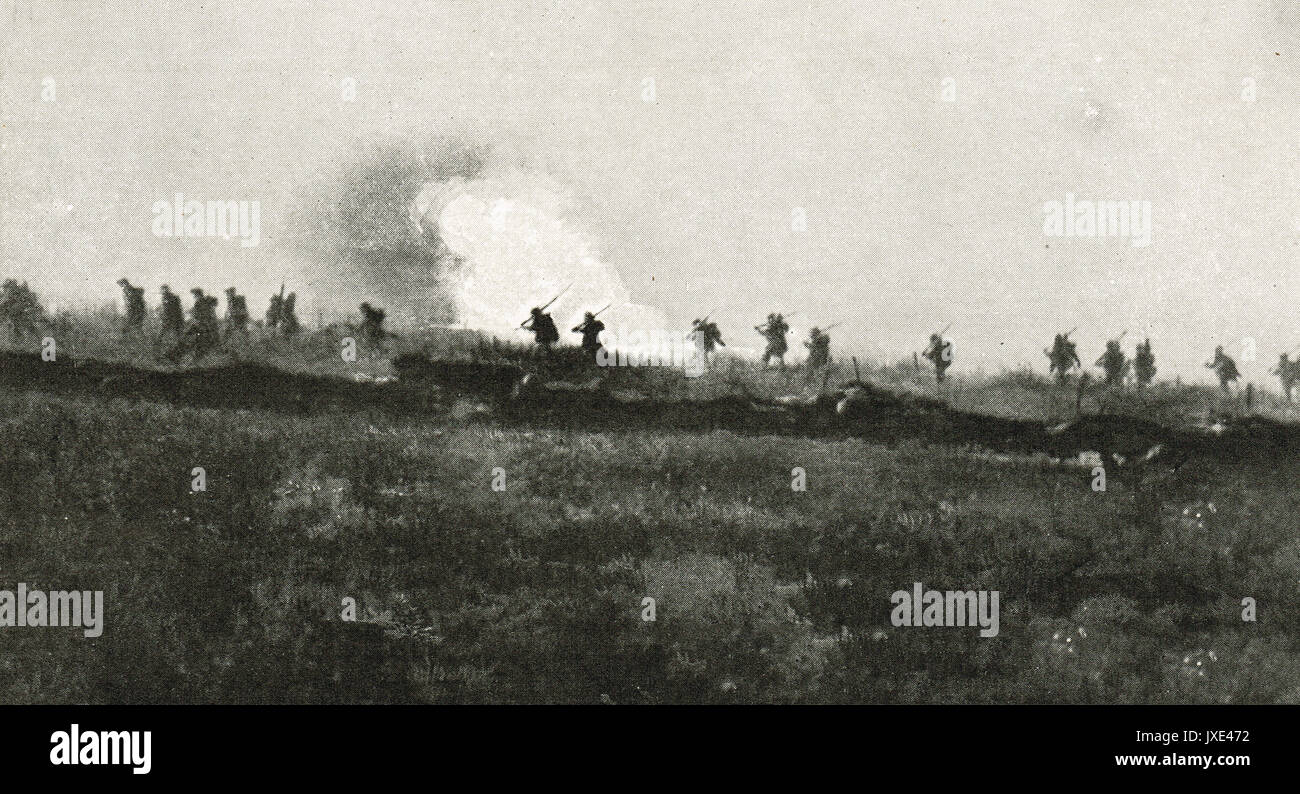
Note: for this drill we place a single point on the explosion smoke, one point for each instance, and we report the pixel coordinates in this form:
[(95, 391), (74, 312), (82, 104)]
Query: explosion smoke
[(443, 234)]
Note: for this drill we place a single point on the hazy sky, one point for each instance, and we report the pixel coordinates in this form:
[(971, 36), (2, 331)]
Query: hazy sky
[(919, 211)]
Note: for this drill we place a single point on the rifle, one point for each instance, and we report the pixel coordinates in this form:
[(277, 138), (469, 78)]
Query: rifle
[(1121, 335), (557, 297), (1072, 330), (542, 308), (597, 314), (945, 329), (832, 325)]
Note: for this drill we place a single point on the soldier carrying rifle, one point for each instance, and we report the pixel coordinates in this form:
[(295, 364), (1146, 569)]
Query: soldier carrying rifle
[(543, 327), (706, 336), (1063, 355), (819, 348), (774, 331), (590, 329), (939, 353)]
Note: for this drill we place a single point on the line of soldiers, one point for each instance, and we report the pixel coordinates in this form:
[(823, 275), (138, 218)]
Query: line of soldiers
[(205, 330), (21, 310), (707, 338), (1063, 356), (546, 335)]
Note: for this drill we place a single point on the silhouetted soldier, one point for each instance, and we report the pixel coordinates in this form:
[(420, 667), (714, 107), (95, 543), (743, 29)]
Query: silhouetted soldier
[(543, 327), (707, 337), (1286, 370), (204, 331), (1144, 363), (288, 318), (940, 354), (1224, 367), (170, 315), (590, 329), (135, 309), (372, 323), (1114, 363), (774, 331), (275, 311), (819, 348), (20, 308), (1063, 356), (236, 313)]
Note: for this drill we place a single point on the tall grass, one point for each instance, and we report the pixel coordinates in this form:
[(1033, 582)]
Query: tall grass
[(536, 593)]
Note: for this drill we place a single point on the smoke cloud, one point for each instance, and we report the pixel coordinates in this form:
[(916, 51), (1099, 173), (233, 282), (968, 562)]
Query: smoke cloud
[(444, 233)]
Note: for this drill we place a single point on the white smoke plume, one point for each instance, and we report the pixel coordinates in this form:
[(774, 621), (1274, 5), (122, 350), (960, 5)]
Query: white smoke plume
[(516, 249)]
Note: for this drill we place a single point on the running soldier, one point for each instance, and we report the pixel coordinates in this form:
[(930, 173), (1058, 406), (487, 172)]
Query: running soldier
[(707, 338), (288, 318), (1224, 367), (170, 315), (819, 349), (543, 327), (19, 308), (940, 354), (1064, 356), (774, 331), (236, 313), (1114, 363), (372, 324), (203, 333), (135, 308), (1287, 371), (590, 329), (1144, 364), (275, 311)]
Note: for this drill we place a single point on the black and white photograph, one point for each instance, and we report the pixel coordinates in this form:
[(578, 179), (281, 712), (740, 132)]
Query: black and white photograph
[(689, 352)]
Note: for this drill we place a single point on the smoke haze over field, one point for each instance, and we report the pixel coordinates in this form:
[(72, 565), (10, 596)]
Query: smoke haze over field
[(669, 152)]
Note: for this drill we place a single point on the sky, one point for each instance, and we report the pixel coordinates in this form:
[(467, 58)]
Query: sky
[(744, 157)]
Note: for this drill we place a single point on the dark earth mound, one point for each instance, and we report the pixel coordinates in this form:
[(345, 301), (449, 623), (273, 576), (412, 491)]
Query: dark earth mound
[(858, 410)]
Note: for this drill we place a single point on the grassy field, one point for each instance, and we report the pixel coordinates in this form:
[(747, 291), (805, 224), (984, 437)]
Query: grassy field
[(534, 593)]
